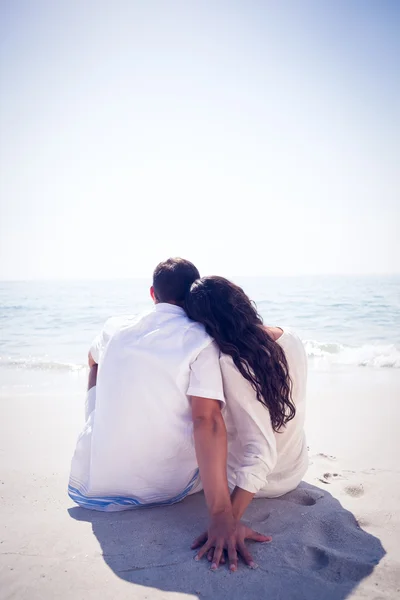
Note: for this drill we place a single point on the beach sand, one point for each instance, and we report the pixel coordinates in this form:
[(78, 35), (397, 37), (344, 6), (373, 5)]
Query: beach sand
[(337, 536)]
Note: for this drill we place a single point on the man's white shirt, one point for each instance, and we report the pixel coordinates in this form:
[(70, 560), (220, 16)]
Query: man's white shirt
[(137, 444)]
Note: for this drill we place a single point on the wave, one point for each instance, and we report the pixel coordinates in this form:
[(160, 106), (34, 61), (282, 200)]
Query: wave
[(40, 364), (321, 354), (368, 355)]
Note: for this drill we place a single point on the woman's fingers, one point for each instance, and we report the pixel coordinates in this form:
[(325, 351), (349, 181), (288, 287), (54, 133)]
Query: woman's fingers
[(217, 557), (204, 550), (199, 540), (232, 557), (211, 554), (257, 537), (214, 551), (245, 554)]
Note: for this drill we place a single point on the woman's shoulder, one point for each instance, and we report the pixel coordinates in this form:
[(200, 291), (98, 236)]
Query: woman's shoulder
[(274, 332), (286, 338), (280, 334), (293, 347)]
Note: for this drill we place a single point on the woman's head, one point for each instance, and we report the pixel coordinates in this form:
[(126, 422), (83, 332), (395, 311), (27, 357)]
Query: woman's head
[(232, 320)]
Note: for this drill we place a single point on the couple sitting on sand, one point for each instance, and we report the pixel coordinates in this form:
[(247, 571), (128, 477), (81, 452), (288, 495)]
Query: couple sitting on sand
[(197, 394)]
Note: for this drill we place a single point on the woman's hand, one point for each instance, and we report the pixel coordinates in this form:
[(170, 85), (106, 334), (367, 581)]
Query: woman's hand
[(224, 533)]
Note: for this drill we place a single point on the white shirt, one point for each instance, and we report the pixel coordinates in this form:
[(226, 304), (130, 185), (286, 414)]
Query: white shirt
[(137, 445), (260, 460)]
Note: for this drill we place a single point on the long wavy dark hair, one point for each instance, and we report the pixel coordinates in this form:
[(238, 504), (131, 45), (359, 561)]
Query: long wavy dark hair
[(231, 318)]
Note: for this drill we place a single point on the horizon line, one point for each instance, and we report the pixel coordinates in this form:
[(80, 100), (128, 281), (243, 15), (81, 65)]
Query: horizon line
[(144, 278)]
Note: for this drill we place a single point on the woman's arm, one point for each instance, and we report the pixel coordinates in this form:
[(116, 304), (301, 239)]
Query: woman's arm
[(211, 449), (224, 531), (240, 500)]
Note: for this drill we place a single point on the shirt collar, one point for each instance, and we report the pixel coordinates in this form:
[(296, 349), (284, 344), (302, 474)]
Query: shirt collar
[(164, 307)]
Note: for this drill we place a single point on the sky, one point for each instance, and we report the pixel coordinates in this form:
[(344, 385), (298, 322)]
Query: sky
[(253, 138)]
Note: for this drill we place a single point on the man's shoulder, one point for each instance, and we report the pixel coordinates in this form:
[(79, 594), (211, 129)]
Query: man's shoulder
[(117, 323), (196, 336), (189, 332)]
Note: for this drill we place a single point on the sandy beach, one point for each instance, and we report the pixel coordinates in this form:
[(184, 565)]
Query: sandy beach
[(147, 150), (337, 536)]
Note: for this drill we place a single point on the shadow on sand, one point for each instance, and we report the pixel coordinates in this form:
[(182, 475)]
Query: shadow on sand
[(318, 551)]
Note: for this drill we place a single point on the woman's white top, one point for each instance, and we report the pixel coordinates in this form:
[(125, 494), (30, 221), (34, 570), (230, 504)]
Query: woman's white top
[(260, 460)]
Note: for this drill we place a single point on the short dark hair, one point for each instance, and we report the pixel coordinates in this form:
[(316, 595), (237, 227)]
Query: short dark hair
[(172, 279)]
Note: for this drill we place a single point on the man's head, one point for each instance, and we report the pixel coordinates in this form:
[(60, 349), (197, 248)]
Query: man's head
[(172, 280)]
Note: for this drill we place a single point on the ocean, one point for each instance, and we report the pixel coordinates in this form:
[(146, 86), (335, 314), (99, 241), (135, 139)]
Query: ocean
[(47, 327)]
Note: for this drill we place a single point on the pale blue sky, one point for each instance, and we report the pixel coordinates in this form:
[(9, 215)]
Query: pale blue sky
[(250, 137)]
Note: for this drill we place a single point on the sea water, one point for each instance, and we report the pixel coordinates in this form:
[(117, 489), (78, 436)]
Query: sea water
[(47, 327)]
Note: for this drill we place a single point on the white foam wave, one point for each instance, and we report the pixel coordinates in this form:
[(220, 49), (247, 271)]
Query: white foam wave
[(321, 354), (368, 355), (40, 364)]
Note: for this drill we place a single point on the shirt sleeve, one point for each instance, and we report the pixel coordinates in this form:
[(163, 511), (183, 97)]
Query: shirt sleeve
[(256, 444), (205, 374), (96, 347), (101, 340)]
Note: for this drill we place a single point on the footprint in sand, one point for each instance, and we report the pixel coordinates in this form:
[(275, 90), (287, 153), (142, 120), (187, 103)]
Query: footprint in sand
[(354, 490), (262, 518), (330, 477), (317, 558), (303, 497), (321, 459), (362, 522), (328, 456)]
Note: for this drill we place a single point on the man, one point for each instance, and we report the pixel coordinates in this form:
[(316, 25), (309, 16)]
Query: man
[(155, 386)]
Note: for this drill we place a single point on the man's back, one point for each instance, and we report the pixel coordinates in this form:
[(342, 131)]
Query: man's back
[(137, 444)]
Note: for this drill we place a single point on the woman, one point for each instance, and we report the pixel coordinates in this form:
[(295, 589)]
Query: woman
[(264, 372)]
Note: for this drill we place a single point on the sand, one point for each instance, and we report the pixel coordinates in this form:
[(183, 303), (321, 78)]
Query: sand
[(337, 536)]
